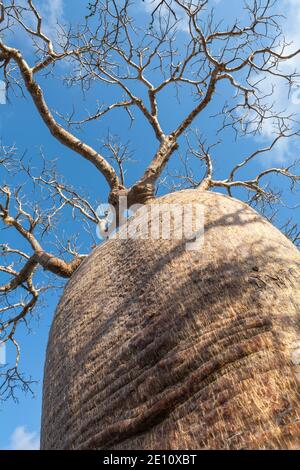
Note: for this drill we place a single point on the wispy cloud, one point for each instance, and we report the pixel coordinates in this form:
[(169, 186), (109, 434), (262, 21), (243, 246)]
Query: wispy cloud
[(21, 439), (283, 99), (52, 11), (150, 5), (276, 90), (183, 21)]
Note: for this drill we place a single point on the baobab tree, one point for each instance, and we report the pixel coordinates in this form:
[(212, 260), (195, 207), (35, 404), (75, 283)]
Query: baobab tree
[(153, 346)]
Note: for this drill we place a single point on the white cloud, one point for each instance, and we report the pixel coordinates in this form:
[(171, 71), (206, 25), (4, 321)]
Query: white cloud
[(183, 21), (285, 101), (150, 5), (21, 439), (52, 11)]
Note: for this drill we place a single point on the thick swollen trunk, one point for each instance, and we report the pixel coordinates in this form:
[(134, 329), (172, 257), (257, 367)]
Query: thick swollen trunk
[(154, 346)]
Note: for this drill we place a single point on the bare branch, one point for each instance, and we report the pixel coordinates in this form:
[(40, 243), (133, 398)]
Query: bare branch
[(64, 136)]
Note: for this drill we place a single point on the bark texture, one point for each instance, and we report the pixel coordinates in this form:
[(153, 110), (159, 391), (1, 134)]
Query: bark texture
[(157, 347)]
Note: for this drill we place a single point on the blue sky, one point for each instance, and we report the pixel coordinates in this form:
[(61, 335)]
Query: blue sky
[(21, 125)]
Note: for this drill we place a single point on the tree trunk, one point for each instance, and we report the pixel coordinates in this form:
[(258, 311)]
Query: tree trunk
[(154, 346)]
